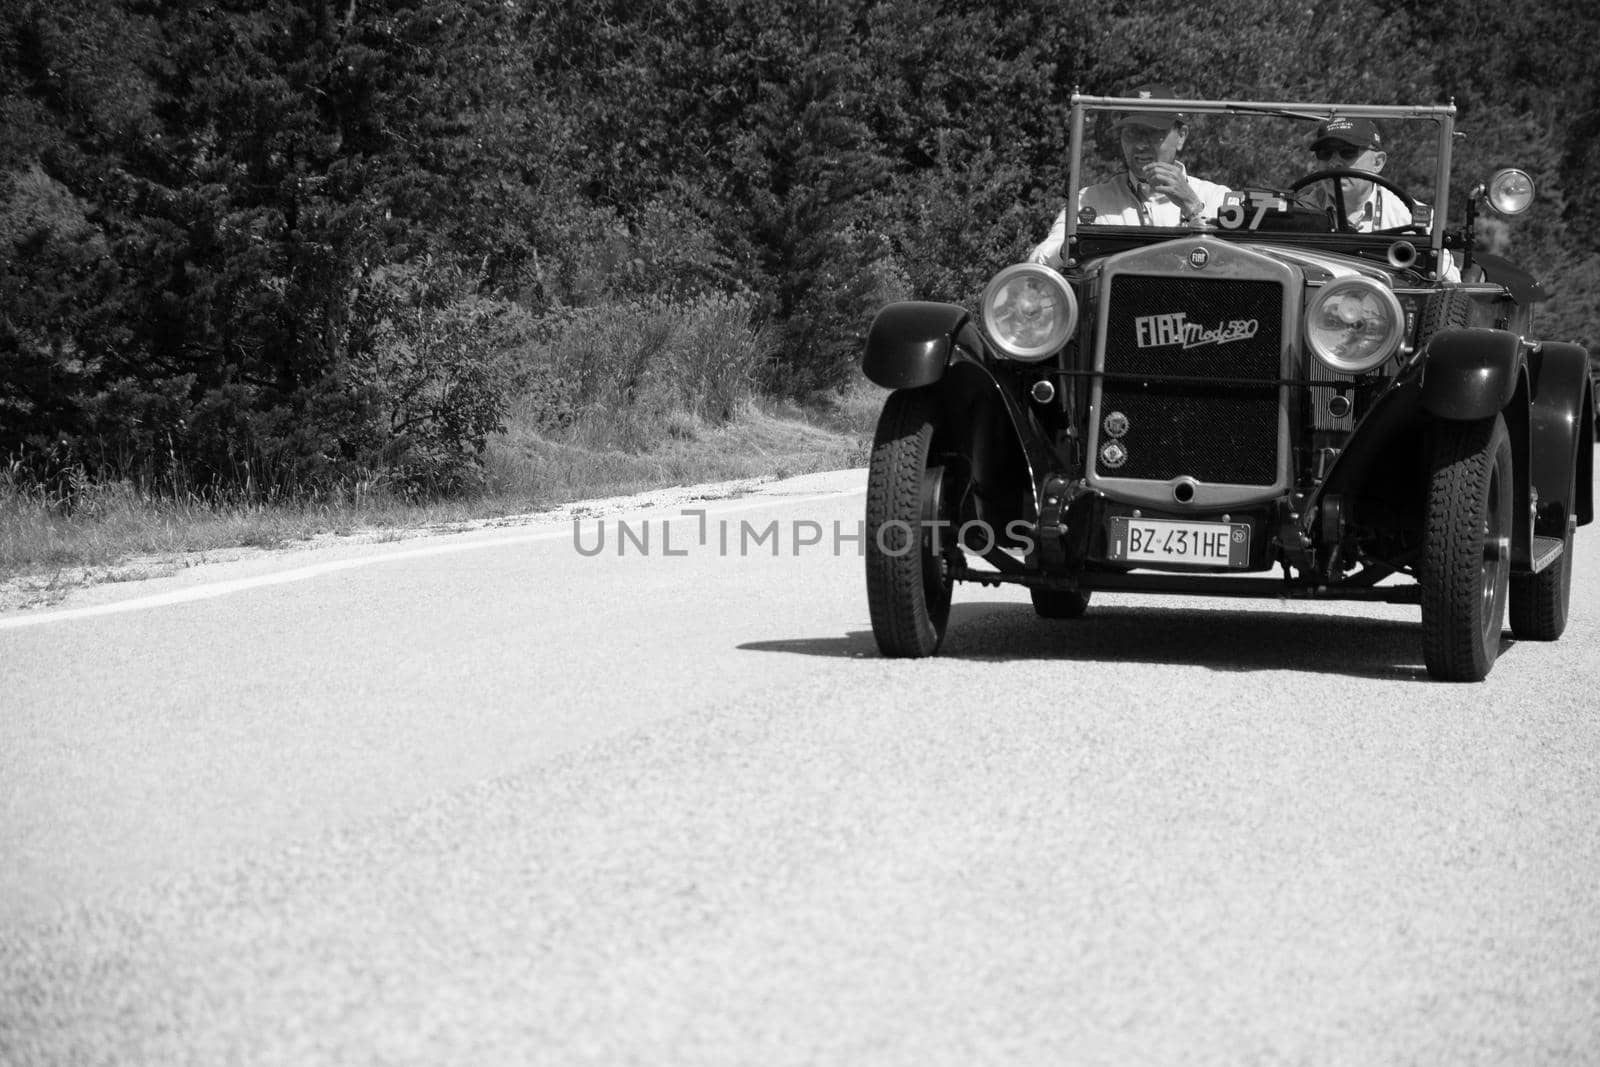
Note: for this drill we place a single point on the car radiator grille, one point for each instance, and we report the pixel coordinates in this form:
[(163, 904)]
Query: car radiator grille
[(1196, 396)]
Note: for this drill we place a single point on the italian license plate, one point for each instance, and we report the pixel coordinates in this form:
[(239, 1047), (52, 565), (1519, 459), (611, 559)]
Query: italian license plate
[(1206, 544)]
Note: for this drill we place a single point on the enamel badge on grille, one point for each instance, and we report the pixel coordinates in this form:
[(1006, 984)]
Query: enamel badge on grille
[(1116, 424), (1113, 455)]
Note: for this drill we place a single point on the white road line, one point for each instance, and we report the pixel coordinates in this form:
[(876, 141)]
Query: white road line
[(687, 511)]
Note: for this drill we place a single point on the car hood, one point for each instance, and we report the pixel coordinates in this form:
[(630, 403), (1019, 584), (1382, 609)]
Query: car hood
[(1322, 266)]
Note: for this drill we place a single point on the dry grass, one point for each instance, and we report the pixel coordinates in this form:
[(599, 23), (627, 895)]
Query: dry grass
[(761, 440), (527, 470)]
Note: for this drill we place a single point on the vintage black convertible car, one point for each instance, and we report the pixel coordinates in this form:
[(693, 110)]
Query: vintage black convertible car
[(1265, 402)]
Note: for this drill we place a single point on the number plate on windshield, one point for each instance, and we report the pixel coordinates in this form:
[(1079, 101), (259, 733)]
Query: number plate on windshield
[(1206, 544)]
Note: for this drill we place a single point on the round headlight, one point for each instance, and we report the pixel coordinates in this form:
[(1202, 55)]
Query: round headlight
[(1510, 192), (1354, 324), (1029, 312)]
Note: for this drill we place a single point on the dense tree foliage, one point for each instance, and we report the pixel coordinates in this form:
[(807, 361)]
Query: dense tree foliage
[(274, 244)]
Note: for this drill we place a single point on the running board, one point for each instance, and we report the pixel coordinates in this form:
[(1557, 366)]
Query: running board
[(1274, 588), (1202, 585), (1546, 550)]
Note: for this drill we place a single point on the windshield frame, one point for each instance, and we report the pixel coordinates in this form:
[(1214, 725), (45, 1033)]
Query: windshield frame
[(1443, 115)]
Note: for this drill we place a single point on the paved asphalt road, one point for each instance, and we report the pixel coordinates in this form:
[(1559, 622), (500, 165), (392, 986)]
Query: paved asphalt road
[(485, 799)]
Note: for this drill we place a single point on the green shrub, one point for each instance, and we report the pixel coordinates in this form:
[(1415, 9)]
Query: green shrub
[(433, 377), (1573, 313), (633, 372)]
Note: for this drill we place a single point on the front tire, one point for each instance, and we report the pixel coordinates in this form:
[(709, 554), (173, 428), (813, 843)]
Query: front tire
[(909, 581), (1466, 564)]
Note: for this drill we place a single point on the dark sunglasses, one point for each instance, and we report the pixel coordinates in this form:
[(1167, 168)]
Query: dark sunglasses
[(1348, 154)]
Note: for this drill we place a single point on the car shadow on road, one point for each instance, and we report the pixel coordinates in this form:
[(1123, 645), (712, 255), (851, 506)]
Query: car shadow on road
[(1221, 639)]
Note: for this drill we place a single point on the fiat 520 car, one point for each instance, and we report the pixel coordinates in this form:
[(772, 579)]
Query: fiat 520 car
[(1263, 403)]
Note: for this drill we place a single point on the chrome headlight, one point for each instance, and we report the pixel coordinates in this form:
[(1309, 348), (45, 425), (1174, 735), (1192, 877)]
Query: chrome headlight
[(1029, 312), (1354, 324), (1510, 191)]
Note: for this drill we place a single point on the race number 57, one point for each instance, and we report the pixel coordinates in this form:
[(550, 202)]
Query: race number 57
[(1233, 214)]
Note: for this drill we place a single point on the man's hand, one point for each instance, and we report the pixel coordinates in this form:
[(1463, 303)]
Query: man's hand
[(1168, 180)]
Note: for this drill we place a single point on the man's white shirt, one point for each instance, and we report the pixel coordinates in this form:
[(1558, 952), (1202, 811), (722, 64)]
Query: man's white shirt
[(1375, 211), (1120, 202)]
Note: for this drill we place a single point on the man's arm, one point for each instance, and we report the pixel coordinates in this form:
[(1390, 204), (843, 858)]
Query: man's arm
[(1048, 251)]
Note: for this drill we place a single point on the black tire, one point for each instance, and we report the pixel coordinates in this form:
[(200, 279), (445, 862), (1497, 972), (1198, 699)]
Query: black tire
[(1539, 601), (1443, 309), (908, 581), (1466, 556), (1059, 603)]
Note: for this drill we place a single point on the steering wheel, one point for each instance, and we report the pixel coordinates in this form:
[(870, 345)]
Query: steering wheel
[(1341, 221)]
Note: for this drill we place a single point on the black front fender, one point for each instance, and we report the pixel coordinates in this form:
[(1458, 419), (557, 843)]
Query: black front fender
[(1470, 373), (910, 343)]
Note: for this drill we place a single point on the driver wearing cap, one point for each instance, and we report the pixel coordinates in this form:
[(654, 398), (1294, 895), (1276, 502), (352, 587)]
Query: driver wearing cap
[(1355, 144), (1154, 189), (1343, 143)]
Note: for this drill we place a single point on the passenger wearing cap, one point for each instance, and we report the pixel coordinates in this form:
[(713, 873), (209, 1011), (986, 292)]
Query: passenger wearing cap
[(1154, 189)]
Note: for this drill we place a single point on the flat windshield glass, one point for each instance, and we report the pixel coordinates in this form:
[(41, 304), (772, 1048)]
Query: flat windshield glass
[(1237, 167)]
